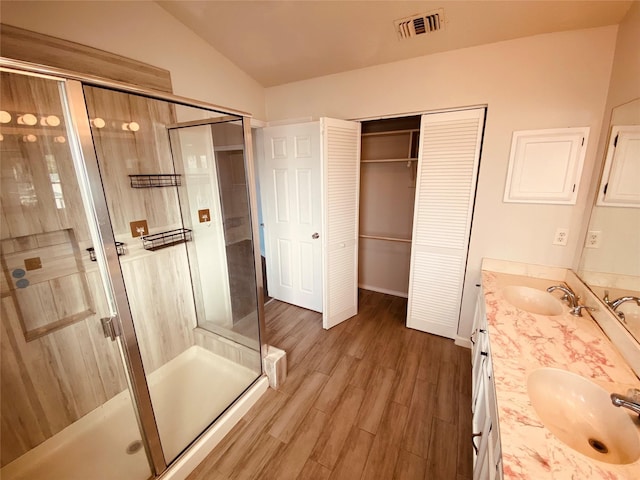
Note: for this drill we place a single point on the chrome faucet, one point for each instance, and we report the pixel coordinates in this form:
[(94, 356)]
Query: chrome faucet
[(569, 295), (619, 301), (631, 400), (571, 298), (616, 303)]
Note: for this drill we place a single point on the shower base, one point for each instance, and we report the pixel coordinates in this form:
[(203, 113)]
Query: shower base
[(188, 393)]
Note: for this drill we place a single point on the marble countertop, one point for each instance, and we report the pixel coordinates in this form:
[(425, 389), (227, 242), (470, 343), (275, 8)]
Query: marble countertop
[(522, 342)]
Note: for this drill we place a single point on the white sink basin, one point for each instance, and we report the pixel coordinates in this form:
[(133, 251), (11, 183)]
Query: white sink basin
[(532, 300), (581, 415)]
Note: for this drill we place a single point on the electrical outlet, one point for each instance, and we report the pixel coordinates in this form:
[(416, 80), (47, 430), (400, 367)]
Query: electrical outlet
[(593, 239), (561, 236)]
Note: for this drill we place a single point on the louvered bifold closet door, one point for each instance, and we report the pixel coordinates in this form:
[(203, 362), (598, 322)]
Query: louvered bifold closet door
[(341, 189), (445, 189)]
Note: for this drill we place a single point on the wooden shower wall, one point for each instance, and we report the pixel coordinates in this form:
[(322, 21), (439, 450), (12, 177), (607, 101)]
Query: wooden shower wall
[(49, 382)]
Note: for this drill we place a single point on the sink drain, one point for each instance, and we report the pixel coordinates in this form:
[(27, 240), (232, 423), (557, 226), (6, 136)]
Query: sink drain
[(598, 446), (134, 447)]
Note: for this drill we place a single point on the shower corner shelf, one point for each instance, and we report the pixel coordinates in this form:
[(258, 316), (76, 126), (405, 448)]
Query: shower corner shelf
[(166, 239), (155, 180)]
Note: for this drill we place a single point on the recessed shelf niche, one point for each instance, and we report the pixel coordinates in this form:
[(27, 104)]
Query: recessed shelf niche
[(45, 276)]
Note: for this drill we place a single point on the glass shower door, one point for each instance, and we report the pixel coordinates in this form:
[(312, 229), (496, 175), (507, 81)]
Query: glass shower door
[(66, 407), (167, 210)]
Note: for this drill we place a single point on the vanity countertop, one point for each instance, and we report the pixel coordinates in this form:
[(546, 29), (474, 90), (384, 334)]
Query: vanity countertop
[(522, 342)]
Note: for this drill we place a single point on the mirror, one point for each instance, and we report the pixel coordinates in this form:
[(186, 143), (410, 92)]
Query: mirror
[(610, 262)]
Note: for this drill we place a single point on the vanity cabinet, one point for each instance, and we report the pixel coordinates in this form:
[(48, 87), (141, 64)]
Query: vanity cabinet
[(487, 464)]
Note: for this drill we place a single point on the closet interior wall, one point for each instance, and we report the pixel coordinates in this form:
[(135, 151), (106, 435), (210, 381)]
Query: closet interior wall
[(389, 154)]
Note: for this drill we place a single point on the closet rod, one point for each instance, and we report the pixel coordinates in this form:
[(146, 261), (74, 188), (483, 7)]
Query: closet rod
[(390, 132), (389, 239), (389, 160)]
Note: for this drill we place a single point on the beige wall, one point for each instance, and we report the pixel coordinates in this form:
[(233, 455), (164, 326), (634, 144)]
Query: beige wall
[(625, 75), (545, 81), (142, 30)]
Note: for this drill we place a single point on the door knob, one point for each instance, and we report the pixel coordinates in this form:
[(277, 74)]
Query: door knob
[(315, 236)]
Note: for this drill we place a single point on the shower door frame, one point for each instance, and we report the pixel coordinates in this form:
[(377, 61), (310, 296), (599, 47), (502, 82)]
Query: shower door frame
[(73, 88)]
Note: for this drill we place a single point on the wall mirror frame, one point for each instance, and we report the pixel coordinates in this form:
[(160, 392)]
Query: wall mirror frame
[(610, 261)]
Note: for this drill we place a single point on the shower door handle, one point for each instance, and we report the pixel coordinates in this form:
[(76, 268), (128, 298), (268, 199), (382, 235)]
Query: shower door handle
[(110, 327)]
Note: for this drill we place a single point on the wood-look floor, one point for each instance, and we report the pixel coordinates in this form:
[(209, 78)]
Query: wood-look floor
[(368, 399)]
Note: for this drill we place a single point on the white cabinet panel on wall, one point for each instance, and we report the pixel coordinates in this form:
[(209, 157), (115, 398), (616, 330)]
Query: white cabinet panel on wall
[(620, 185), (445, 190), (545, 166)]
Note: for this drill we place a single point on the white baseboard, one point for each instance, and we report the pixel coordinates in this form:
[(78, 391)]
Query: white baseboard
[(463, 342), (395, 293)]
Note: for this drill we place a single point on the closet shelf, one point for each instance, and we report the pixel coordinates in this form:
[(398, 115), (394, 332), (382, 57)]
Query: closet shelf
[(386, 239), (155, 180), (160, 240), (390, 160)]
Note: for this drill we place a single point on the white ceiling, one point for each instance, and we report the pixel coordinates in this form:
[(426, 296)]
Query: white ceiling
[(278, 42)]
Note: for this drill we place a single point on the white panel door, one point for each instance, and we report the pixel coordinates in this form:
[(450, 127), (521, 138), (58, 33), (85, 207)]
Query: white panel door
[(291, 194), (341, 188), (445, 190)]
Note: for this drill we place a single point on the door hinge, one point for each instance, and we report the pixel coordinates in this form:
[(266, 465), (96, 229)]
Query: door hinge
[(605, 188), (582, 142), (615, 141), (110, 327)]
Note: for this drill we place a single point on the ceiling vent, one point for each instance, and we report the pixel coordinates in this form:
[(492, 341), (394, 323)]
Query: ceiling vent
[(421, 24)]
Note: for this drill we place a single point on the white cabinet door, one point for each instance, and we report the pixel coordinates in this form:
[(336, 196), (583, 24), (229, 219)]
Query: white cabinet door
[(341, 193), (620, 185), (545, 166), (481, 425), (487, 450), (445, 189), (291, 186)]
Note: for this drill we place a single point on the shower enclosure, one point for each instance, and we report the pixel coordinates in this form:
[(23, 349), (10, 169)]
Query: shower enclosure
[(131, 302)]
